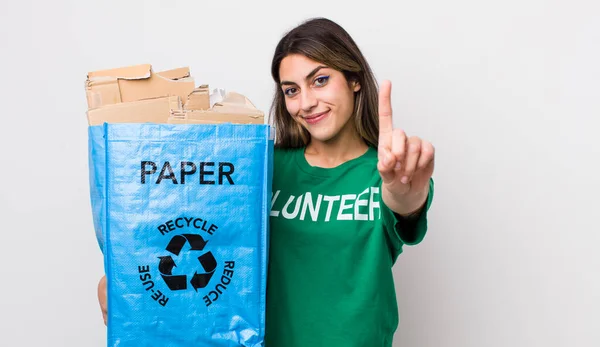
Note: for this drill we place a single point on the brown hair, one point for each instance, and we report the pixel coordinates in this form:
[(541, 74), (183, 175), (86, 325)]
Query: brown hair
[(326, 42)]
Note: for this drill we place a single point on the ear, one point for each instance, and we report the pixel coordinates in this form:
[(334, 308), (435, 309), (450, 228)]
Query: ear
[(355, 86)]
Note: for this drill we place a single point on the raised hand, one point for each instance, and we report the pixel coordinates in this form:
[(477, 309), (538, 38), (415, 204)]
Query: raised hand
[(405, 163)]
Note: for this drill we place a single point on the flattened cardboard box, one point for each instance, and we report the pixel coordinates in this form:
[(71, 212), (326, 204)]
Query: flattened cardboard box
[(199, 117), (151, 110), (158, 98), (234, 108), (136, 83)]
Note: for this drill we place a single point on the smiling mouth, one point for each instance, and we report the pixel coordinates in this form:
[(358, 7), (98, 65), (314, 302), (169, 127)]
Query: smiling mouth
[(314, 118)]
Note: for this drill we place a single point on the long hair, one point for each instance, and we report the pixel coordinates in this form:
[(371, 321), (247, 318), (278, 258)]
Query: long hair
[(326, 42)]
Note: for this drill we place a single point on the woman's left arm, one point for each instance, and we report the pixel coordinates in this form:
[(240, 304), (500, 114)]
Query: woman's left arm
[(405, 163)]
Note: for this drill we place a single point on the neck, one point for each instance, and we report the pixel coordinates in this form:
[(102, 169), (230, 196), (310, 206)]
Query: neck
[(347, 145)]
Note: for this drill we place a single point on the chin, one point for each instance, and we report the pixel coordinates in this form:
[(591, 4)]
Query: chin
[(326, 130), (327, 133), (323, 135)]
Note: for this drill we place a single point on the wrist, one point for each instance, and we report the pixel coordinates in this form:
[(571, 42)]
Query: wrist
[(406, 205)]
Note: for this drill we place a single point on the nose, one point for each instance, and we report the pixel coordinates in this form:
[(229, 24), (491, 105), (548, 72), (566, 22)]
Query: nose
[(308, 100)]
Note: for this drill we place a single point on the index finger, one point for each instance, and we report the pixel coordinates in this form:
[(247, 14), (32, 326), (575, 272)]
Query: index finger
[(386, 125)]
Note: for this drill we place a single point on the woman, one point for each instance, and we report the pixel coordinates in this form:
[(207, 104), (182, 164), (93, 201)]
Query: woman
[(348, 192)]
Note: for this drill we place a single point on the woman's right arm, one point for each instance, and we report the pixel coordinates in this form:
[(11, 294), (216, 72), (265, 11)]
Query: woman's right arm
[(102, 297)]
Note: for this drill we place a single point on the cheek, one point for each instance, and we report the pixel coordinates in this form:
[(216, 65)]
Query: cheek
[(291, 106), (339, 96), (343, 102)]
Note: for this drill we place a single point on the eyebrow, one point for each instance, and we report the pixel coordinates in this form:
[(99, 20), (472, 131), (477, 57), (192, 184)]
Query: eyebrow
[(309, 76)]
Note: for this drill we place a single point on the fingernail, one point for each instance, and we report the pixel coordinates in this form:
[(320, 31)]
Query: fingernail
[(398, 165), (404, 180)]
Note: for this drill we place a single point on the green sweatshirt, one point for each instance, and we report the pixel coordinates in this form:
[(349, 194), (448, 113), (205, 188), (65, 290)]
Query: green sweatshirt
[(332, 247)]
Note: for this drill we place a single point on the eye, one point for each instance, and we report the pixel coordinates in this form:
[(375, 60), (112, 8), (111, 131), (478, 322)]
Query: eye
[(290, 91), (321, 81)]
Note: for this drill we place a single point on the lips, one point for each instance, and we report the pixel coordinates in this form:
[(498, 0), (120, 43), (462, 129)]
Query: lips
[(315, 118)]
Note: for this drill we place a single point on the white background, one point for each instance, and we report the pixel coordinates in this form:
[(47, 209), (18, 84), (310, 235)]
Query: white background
[(508, 92)]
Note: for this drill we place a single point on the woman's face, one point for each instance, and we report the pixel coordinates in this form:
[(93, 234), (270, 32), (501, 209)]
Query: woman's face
[(317, 97)]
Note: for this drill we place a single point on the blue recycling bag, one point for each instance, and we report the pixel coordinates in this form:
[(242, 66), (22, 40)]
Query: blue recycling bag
[(181, 215)]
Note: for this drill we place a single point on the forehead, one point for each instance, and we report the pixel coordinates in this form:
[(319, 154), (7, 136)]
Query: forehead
[(295, 67)]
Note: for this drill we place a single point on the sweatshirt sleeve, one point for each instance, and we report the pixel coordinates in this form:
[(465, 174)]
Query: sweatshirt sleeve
[(406, 231)]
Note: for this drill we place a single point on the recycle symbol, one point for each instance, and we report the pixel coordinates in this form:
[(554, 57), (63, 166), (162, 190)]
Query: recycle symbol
[(207, 261)]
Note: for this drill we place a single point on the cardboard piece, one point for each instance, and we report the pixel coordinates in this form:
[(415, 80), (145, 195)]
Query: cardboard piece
[(142, 111), (175, 74), (154, 87), (136, 71), (234, 108), (134, 83), (236, 103), (199, 99), (211, 117), (136, 94)]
